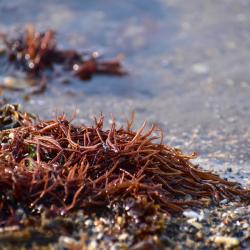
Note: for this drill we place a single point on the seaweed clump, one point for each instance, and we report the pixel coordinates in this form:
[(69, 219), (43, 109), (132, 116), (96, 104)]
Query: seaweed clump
[(60, 167), (35, 52)]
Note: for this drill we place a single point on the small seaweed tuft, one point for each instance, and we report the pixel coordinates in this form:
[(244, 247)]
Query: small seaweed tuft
[(37, 52)]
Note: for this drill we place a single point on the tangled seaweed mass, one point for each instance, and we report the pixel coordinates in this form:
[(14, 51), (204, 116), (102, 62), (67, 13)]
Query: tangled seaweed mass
[(63, 167), (34, 52)]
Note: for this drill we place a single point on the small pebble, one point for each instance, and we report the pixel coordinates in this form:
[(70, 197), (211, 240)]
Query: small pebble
[(123, 237), (200, 68), (194, 223), (193, 214), (228, 242)]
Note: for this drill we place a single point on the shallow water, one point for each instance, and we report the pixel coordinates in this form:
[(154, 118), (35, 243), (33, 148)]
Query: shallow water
[(188, 69)]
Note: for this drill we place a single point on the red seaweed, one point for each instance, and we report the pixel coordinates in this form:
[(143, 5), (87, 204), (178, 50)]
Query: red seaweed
[(65, 167)]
